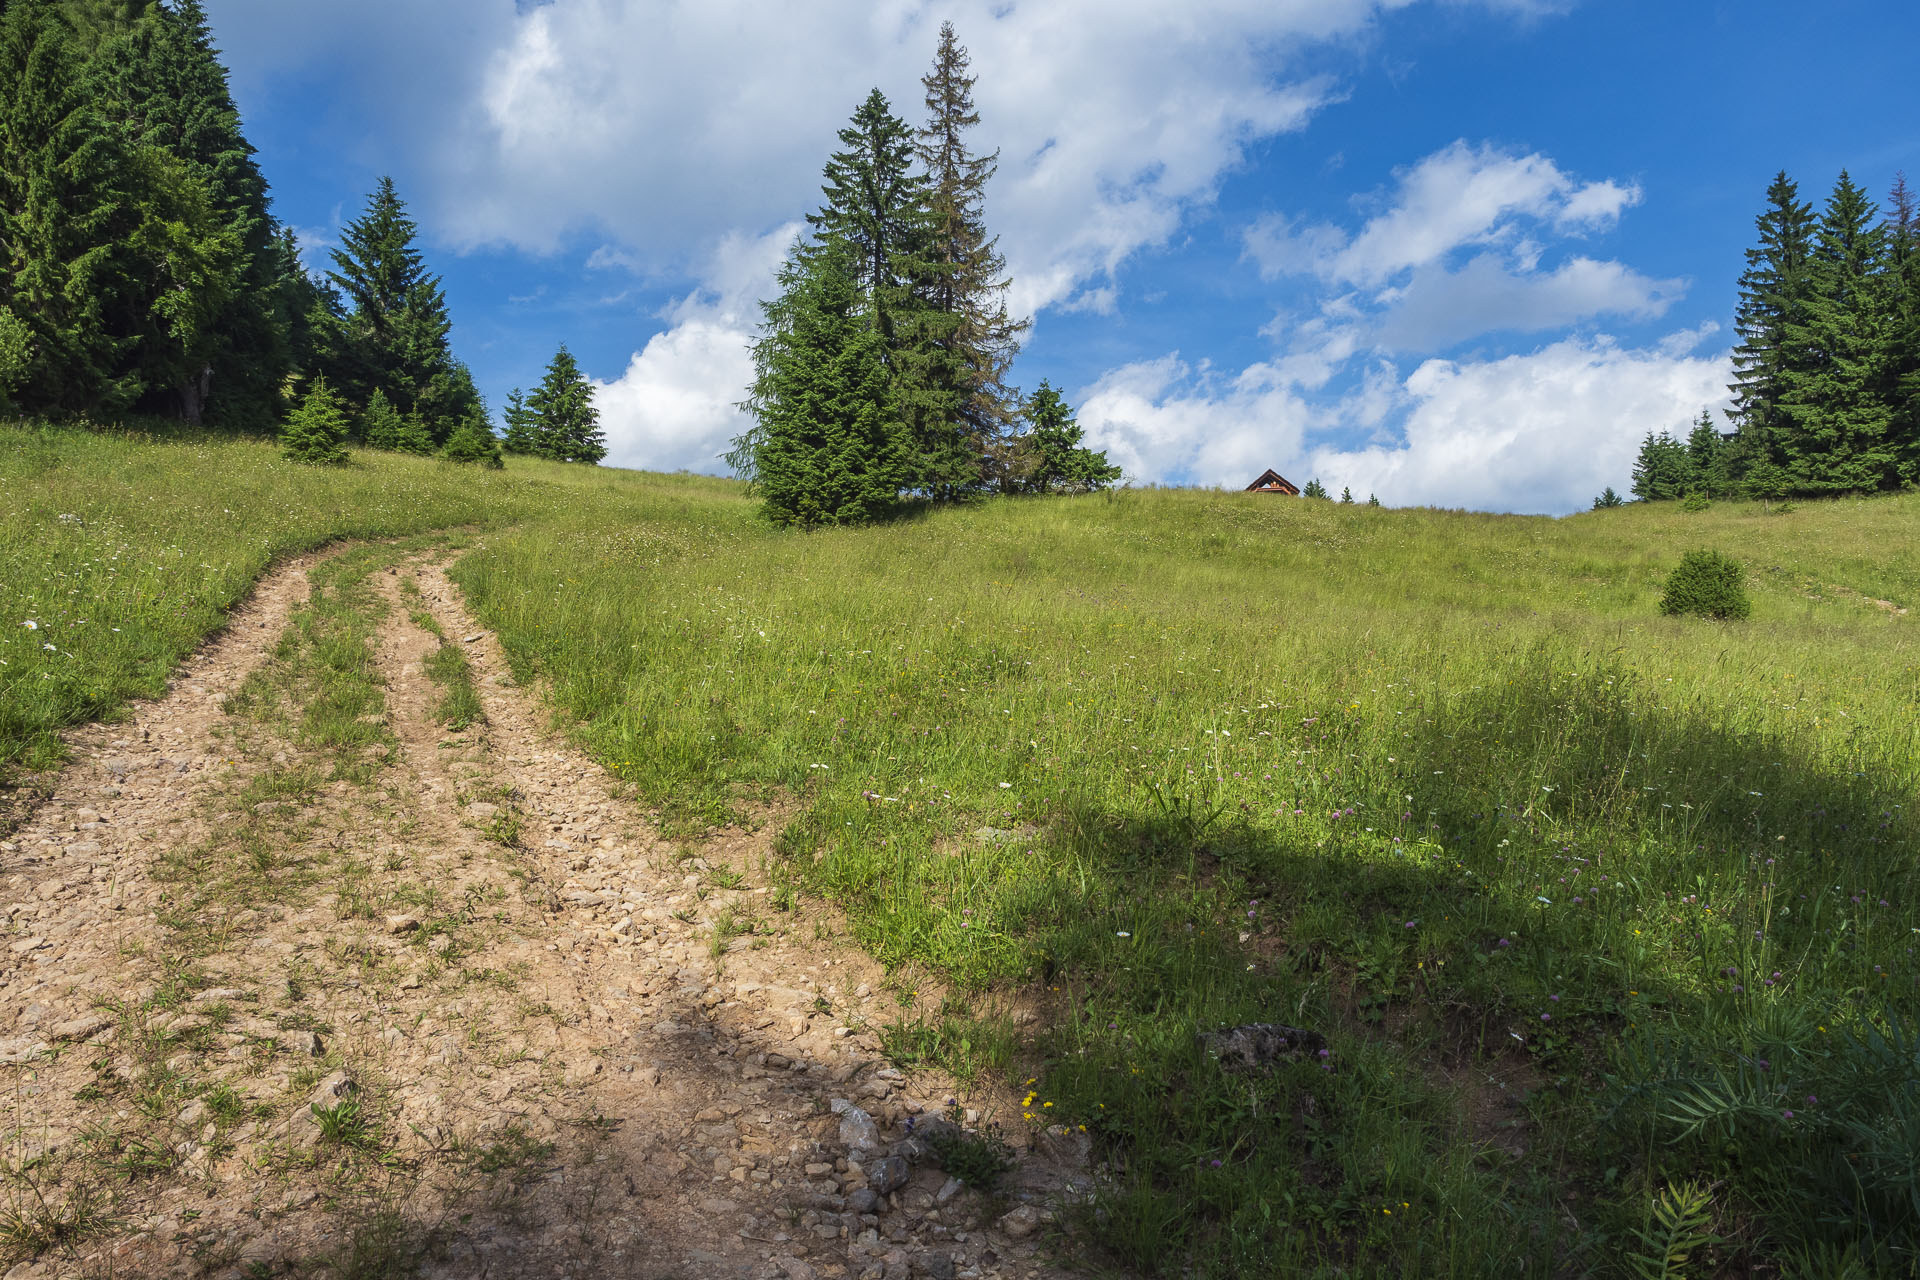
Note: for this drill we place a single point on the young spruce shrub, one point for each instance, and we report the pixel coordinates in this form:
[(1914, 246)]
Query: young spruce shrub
[(474, 441), (1706, 583), (315, 432)]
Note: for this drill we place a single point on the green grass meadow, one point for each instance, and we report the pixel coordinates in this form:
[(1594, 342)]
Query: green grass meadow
[(1445, 788)]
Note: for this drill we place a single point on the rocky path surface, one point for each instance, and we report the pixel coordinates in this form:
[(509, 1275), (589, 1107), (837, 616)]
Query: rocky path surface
[(441, 1001)]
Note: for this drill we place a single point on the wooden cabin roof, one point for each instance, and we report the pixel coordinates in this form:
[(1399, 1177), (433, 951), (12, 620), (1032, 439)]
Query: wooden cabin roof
[(1272, 481)]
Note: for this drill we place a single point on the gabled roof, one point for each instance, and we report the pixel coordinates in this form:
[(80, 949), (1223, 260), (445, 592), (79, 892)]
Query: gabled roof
[(1272, 481)]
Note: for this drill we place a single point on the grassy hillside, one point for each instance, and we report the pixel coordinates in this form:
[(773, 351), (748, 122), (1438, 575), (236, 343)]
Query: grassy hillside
[(1442, 788)]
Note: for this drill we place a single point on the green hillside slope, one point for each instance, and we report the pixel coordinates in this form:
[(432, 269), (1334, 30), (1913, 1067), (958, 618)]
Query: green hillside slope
[(1442, 788)]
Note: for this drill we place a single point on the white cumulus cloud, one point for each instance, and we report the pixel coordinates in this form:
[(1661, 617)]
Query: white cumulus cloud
[(1459, 196), (675, 406), (1542, 432)]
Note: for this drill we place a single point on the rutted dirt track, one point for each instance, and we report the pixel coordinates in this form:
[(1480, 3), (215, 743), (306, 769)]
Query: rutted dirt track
[(478, 1019)]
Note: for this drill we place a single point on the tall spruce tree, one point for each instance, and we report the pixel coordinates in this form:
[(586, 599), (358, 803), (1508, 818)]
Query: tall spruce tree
[(1774, 290), (875, 204), (158, 75), (965, 285), (876, 215), (1900, 372), (826, 448), (566, 423), (394, 335), (1838, 436), (67, 219)]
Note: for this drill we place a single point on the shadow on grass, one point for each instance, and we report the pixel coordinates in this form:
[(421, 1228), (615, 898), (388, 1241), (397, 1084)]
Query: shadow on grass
[(1668, 955)]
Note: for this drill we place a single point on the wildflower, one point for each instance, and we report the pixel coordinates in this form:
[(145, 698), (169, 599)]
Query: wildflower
[(1122, 933), (1812, 1101), (1546, 1017), (1006, 786), (1786, 1115)]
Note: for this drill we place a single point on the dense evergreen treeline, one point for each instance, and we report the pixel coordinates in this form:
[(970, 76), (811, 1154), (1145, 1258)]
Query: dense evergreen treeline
[(143, 272), (1827, 368), (881, 367)]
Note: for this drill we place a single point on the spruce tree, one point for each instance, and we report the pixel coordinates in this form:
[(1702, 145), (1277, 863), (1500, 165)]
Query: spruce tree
[(1314, 489), (1662, 472), (965, 283), (1706, 457), (1774, 290), (1607, 499), (160, 79), (1346, 494), (876, 211), (473, 441), (523, 427), (1900, 365), (67, 218), (395, 331), (1838, 433), (1373, 500), (316, 432), (827, 448), (413, 436), (875, 203), (381, 425), (567, 425), (1056, 460)]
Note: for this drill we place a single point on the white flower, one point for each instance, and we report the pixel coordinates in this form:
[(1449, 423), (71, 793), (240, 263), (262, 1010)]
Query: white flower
[(49, 648), (1006, 786), (1122, 934), (31, 625)]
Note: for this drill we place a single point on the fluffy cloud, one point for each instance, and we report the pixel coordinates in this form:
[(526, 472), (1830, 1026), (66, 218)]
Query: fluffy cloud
[(1455, 251), (661, 125), (1539, 432), (1438, 307), (1460, 196), (674, 407), (1168, 420), (1542, 432)]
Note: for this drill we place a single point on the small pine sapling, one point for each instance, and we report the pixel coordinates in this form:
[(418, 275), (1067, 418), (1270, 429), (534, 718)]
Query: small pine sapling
[(473, 441), (380, 423), (316, 432), (413, 436)]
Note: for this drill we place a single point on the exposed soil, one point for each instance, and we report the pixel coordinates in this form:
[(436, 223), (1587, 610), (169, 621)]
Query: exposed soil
[(465, 1012)]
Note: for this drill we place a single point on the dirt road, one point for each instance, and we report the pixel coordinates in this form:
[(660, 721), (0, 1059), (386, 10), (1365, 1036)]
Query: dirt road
[(298, 984)]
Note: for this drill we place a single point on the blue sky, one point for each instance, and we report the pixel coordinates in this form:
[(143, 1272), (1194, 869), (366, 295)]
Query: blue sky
[(1453, 252)]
